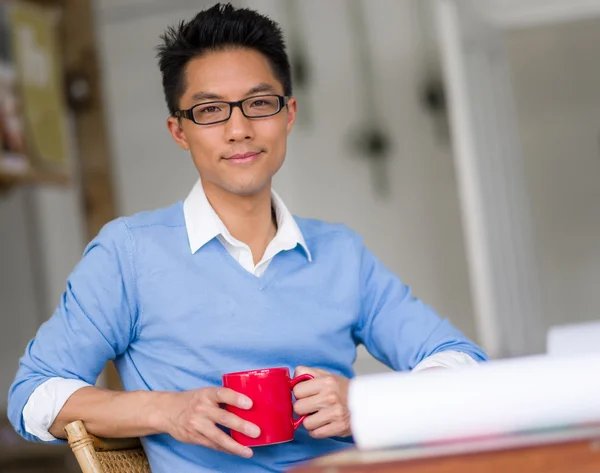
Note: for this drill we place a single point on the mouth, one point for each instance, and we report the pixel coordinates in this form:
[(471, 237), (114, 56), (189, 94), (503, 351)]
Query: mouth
[(242, 158)]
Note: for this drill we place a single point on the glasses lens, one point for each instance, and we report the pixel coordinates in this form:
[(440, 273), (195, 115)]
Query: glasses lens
[(211, 112), (262, 106)]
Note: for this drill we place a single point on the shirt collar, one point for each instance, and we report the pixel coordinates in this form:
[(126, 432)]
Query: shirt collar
[(203, 224)]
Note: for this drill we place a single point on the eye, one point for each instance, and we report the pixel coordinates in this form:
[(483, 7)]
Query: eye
[(260, 103), (209, 109)]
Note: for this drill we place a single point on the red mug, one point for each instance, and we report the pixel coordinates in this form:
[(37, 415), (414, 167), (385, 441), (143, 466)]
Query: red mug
[(271, 393)]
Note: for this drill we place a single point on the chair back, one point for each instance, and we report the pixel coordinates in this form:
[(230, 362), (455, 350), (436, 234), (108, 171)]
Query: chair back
[(98, 455)]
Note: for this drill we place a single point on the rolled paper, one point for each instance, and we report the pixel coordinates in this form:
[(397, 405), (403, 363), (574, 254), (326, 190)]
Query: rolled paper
[(497, 398)]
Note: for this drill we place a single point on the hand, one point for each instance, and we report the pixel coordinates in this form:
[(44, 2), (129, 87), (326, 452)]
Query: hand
[(192, 417), (325, 398)]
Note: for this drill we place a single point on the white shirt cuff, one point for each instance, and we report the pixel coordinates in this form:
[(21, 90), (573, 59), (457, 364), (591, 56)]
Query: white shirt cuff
[(45, 403), (445, 359)]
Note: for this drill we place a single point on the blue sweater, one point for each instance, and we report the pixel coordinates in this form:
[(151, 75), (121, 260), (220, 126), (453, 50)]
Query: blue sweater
[(173, 320)]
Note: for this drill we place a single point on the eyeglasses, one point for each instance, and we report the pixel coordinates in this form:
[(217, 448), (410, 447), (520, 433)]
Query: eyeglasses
[(209, 113)]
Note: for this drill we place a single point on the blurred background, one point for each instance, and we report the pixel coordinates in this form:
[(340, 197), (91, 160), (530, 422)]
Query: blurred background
[(460, 138)]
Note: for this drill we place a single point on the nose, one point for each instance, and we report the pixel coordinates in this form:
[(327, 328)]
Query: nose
[(238, 127)]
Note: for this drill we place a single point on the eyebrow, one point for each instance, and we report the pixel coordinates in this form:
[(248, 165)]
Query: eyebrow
[(260, 88)]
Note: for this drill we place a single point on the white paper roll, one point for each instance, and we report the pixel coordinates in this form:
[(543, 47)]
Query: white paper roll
[(499, 397)]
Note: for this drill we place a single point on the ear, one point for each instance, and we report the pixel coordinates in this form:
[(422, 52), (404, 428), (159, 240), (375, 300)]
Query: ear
[(292, 108), (175, 127)]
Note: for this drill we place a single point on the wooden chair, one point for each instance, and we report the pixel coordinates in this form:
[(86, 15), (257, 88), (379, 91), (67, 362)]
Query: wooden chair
[(97, 455)]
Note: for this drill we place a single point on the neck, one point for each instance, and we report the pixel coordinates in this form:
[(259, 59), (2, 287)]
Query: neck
[(249, 218)]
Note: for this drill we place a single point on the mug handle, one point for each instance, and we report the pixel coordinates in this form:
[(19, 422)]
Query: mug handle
[(298, 379)]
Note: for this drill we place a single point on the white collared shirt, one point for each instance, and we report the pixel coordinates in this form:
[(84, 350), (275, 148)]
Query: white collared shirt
[(202, 225)]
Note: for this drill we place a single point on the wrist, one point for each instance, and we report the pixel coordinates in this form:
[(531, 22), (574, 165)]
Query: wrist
[(159, 407)]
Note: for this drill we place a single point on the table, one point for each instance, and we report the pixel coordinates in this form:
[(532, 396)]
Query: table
[(549, 453)]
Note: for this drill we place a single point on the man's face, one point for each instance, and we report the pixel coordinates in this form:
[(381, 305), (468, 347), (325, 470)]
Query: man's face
[(240, 155)]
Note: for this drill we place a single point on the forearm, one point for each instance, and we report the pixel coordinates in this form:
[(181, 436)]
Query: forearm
[(114, 413)]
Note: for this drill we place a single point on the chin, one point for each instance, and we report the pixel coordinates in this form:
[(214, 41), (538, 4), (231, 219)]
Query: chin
[(245, 189)]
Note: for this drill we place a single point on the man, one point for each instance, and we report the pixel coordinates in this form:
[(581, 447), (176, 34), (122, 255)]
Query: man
[(226, 281)]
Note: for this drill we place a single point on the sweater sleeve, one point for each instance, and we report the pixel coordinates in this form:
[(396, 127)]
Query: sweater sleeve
[(397, 328), (95, 321)]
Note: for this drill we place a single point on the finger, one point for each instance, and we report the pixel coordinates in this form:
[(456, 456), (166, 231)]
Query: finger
[(322, 400), (329, 430), (308, 388), (206, 442), (225, 442), (198, 439), (317, 420), (232, 398), (231, 421), (306, 406)]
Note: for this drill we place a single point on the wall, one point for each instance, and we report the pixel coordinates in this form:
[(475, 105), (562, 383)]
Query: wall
[(556, 72), (19, 310), (41, 239)]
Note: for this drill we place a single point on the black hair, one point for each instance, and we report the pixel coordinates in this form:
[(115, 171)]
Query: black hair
[(219, 28)]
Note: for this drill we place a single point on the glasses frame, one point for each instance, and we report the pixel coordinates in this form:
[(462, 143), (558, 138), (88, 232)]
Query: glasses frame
[(189, 113)]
